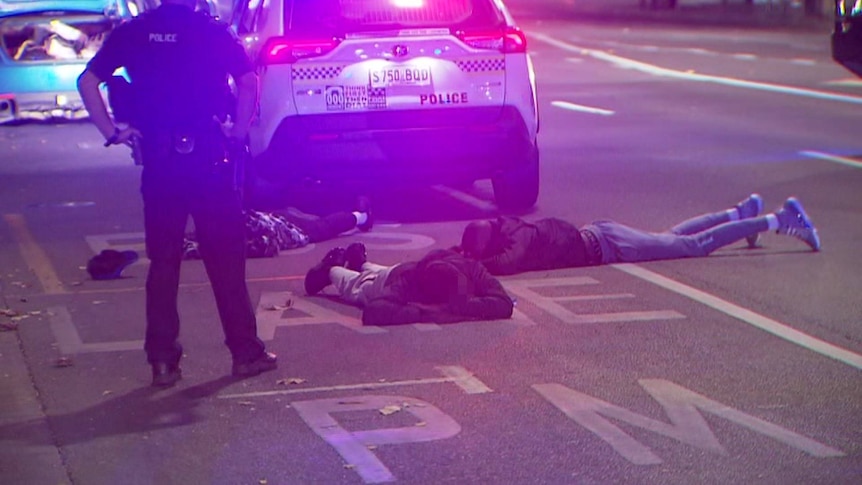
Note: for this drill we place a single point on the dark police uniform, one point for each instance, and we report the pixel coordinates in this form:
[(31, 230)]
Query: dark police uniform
[(178, 61)]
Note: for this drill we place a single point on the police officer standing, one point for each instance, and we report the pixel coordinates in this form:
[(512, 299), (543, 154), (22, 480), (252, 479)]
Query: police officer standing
[(178, 62)]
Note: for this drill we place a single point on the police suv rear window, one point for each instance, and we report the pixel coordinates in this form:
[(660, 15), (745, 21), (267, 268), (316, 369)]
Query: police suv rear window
[(346, 16)]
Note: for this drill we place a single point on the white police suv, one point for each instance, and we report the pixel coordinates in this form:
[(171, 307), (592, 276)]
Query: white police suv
[(394, 92)]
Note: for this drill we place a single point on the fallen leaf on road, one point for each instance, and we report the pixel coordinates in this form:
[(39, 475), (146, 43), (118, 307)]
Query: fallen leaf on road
[(105, 393), (289, 380), (391, 409), (63, 362), (99, 302), (420, 424), (349, 466)]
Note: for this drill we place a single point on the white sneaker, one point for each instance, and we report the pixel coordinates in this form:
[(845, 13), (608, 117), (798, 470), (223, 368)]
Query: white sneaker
[(793, 221)]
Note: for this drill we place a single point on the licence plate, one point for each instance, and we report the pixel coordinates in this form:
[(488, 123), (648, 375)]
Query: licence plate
[(399, 76)]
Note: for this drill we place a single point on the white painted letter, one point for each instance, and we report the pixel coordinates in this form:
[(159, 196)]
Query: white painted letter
[(353, 445), (687, 424)]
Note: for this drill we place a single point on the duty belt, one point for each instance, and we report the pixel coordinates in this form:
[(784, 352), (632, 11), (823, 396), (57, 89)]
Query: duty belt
[(593, 248)]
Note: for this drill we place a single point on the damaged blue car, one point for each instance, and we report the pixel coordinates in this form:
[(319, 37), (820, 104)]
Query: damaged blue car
[(44, 47)]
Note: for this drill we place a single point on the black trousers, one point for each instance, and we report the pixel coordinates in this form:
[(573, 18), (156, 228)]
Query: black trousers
[(174, 187), (323, 228)]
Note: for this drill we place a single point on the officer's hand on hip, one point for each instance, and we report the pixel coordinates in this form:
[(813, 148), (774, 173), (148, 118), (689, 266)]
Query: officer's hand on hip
[(233, 131), (123, 136)]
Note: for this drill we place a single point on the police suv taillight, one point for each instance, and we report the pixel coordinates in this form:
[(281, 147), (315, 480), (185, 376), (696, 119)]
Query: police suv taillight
[(510, 41), (281, 50)]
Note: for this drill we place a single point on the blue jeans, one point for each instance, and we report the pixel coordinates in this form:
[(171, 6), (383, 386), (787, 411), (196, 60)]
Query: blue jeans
[(692, 238)]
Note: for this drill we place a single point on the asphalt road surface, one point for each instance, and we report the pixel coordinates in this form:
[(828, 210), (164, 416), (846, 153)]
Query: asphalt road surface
[(743, 367)]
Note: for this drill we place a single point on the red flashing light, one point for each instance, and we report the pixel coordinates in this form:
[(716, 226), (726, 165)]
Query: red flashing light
[(281, 50)]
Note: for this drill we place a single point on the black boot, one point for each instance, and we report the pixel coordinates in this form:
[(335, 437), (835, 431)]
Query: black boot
[(317, 277)]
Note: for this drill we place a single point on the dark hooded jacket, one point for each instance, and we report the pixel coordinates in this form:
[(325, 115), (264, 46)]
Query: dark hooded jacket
[(517, 246), (479, 295)]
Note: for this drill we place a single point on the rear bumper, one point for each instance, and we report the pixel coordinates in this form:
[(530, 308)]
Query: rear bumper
[(41, 106), (399, 146)]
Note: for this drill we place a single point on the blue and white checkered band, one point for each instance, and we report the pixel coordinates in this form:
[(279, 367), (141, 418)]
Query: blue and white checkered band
[(317, 72), (483, 65)]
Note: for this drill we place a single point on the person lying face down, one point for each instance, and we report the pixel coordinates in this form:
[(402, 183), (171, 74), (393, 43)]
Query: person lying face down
[(442, 287), (509, 245)]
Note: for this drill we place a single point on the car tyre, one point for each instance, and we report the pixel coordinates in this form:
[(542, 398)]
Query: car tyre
[(517, 189)]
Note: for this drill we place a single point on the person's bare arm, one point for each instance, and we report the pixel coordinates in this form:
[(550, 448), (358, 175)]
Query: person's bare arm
[(88, 87), (247, 93)]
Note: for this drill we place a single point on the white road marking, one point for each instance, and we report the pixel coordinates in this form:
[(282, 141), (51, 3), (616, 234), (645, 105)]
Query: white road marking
[(525, 288), (654, 70), (850, 162), (683, 408), (459, 376), (766, 324), (852, 82), (464, 379), (609, 296), (394, 241), (69, 341), (269, 319), (355, 446), (744, 57), (579, 107)]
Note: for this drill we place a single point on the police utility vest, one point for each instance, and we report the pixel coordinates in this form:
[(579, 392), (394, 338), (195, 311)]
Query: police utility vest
[(178, 62)]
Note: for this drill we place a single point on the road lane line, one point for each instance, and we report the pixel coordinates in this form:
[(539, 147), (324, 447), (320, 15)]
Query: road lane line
[(464, 379), (852, 82), (609, 296), (459, 376), (582, 108), (654, 70), (34, 255), (850, 162), (342, 387), (766, 324), (69, 341)]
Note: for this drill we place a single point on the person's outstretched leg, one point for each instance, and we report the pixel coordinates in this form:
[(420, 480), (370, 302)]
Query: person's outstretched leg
[(624, 244), (360, 287), (747, 208), (327, 227), (790, 219), (730, 232)]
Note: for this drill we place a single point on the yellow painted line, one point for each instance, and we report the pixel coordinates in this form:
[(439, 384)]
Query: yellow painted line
[(33, 254)]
